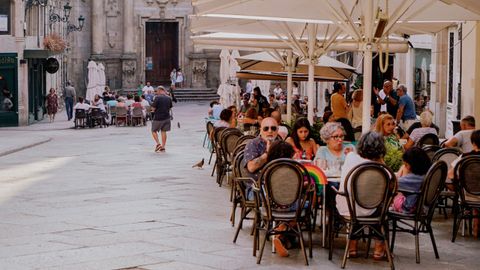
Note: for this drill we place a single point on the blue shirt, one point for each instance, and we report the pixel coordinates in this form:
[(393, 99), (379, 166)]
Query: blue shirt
[(253, 150), (410, 183), (408, 107)]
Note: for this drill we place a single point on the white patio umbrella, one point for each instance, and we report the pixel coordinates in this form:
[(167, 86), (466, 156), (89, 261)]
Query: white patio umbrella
[(92, 81), (234, 68), (101, 78), (223, 88), (378, 20)]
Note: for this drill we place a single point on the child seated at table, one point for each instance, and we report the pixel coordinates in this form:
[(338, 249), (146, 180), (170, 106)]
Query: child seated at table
[(410, 179)]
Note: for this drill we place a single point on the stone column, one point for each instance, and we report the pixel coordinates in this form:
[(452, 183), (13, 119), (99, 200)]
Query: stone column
[(98, 27), (129, 62), (17, 32)]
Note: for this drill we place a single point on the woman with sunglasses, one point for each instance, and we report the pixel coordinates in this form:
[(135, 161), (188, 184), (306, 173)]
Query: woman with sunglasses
[(304, 146), (332, 156)]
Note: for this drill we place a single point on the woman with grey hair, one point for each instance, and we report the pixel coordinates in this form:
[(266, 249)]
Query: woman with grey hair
[(426, 122), (370, 147), (331, 157)]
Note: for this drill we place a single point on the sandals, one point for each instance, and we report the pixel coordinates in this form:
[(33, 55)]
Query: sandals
[(159, 148), (352, 249), (379, 252)]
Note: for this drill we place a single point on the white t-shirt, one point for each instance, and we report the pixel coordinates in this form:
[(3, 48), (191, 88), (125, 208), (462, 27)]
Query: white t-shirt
[(277, 91), (463, 140), (295, 91), (83, 106), (351, 161), (249, 87), (147, 88), (383, 108)]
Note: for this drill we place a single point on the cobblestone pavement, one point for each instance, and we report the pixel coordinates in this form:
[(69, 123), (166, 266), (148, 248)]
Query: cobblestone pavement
[(102, 199)]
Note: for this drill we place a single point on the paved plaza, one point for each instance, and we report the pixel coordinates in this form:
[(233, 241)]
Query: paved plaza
[(102, 199)]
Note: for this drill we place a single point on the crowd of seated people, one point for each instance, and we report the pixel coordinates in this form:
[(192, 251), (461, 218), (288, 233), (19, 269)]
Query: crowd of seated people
[(109, 102)]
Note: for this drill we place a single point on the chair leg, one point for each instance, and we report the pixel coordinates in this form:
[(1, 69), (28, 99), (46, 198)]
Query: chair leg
[(259, 257), (239, 226), (210, 160), (214, 167), (344, 260), (310, 251), (394, 232), (417, 244), (302, 244), (456, 225), (330, 232), (369, 243), (432, 237), (389, 254)]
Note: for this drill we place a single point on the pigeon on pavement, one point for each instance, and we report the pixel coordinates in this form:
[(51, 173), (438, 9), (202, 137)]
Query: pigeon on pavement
[(199, 164)]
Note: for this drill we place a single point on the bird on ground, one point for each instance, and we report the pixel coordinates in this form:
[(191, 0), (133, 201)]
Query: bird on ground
[(178, 124), (199, 164)]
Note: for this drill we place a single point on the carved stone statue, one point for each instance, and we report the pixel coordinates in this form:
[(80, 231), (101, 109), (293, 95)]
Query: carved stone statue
[(112, 9), (199, 70), (128, 73)]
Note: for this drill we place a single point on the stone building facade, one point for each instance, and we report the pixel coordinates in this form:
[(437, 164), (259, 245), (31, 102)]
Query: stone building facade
[(139, 41)]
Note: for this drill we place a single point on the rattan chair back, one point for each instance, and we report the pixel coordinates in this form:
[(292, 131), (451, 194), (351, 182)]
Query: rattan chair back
[(468, 176), (428, 139), (370, 185), (431, 150), (432, 186), (448, 155)]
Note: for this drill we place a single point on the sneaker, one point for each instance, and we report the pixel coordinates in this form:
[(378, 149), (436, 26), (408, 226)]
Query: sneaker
[(280, 249)]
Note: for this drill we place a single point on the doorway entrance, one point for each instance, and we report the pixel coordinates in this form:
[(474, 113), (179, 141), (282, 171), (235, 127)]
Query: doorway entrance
[(161, 51)]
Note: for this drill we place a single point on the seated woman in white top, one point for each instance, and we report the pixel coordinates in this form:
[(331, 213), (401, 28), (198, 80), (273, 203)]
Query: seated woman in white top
[(81, 104), (370, 147), (426, 122)]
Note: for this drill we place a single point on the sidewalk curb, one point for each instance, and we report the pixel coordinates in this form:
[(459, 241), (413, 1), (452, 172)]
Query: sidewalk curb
[(8, 152)]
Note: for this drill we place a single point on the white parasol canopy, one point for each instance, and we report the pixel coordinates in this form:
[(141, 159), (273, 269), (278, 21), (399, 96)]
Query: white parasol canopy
[(92, 81), (224, 89), (366, 22), (234, 68), (101, 78)]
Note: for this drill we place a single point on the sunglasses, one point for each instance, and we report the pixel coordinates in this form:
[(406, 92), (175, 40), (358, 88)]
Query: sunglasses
[(341, 137), (272, 128)]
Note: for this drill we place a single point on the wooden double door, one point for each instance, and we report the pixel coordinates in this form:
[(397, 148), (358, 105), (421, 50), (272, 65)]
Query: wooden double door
[(161, 52)]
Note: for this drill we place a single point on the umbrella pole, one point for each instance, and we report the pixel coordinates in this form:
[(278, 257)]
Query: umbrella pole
[(367, 89), (312, 35), (289, 87), (367, 66)]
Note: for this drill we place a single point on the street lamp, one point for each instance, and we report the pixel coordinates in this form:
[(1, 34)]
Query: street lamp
[(72, 27), (54, 17)]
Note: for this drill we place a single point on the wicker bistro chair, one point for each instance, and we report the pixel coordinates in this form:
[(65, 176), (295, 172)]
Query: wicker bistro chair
[(121, 116), (421, 220), (228, 142), (283, 195), (431, 150), (211, 147), (245, 139), (370, 185), (112, 111), (137, 117), (241, 182), (448, 155), (428, 139), (467, 185), (216, 133), (97, 118), (80, 118)]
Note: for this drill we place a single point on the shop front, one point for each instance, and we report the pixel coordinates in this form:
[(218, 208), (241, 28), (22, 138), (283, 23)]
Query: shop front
[(9, 90)]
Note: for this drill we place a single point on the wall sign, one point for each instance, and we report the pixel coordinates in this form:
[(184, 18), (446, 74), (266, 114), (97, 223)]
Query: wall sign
[(52, 65)]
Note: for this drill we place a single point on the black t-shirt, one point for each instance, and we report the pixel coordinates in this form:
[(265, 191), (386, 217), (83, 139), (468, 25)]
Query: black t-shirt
[(162, 105)]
